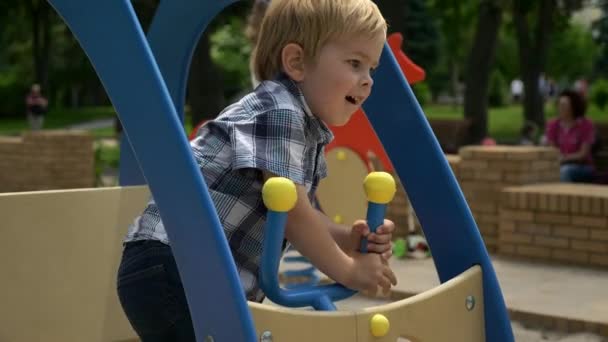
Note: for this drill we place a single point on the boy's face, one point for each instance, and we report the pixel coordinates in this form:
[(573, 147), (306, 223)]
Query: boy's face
[(339, 81)]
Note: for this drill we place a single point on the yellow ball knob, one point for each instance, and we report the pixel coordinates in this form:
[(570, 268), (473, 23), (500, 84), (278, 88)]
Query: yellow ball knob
[(379, 187), (341, 155), (379, 325), (279, 194)]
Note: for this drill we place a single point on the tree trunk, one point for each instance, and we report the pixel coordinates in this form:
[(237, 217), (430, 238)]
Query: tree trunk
[(394, 12), (41, 40), (533, 54), (205, 89), (479, 66), (455, 80)]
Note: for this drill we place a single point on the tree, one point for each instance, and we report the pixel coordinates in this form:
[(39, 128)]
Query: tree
[(455, 23), (572, 53), (41, 16), (413, 19), (600, 29), (534, 23), (206, 93), (479, 66)]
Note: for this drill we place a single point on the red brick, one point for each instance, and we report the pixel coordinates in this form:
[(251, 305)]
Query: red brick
[(569, 255), (599, 234), (549, 241), (599, 259), (590, 221), (551, 218), (534, 251), (569, 231), (515, 238), (591, 246)]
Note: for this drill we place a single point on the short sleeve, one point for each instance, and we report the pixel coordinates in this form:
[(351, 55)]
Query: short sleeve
[(273, 141), (587, 132), (551, 132)]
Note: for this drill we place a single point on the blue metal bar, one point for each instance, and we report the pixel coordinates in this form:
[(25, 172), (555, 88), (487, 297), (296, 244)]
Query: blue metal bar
[(319, 297), (448, 225), (123, 60), (375, 218), (172, 36)]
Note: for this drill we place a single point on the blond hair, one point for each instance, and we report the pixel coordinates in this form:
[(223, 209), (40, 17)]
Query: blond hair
[(254, 20), (311, 24)]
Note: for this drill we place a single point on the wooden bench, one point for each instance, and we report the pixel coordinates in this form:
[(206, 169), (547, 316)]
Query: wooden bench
[(566, 223)]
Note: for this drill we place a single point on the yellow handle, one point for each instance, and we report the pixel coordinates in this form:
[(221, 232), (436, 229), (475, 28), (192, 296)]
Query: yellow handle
[(279, 194), (379, 187)]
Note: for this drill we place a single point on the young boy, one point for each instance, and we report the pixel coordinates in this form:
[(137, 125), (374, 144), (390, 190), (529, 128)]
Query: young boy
[(314, 59)]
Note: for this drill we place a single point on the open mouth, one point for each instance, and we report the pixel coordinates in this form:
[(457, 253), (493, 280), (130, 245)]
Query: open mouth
[(352, 100)]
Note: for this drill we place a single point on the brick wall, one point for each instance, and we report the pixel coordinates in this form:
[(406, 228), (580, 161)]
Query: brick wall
[(559, 222), (45, 160), (485, 170), (400, 211)]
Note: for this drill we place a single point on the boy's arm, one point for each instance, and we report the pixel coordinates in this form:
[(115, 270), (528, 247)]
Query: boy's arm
[(339, 232), (309, 234), (379, 242)]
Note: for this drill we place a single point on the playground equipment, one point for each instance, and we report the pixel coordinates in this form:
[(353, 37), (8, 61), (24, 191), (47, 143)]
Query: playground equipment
[(147, 77)]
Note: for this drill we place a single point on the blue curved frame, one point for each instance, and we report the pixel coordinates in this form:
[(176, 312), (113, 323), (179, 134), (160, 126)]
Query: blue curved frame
[(128, 70), (126, 64), (440, 206)]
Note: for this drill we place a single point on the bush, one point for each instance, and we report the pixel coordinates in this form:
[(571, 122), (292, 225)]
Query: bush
[(498, 85), (12, 94), (422, 93), (599, 93)]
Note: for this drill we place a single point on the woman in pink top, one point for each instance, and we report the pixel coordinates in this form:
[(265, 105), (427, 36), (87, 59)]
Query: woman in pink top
[(573, 134)]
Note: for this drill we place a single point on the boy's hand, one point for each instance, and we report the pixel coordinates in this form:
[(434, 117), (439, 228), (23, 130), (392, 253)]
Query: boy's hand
[(379, 242), (368, 272)]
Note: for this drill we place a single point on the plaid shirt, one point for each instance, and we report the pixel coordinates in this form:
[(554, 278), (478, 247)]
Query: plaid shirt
[(270, 129)]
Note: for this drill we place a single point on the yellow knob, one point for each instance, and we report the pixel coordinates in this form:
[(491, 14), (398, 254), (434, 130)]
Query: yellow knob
[(379, 325), (341, 155), (379, 187), (279, 194), (337, 219)]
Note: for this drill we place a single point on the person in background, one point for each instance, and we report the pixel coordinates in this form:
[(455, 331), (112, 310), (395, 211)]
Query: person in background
[(36, 107), (573, 134), (528, 134)]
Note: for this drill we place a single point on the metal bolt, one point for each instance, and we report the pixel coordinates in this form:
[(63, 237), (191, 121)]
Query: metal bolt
[(470, 303), (266, 336), (209, 338)]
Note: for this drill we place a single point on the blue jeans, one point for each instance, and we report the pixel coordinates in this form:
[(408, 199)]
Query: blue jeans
[(151, 293), (577, 173)]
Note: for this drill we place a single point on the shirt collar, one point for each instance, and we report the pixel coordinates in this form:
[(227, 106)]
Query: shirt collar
[(325, 135)]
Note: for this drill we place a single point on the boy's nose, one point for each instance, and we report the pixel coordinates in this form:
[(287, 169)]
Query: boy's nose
[(368, 81)]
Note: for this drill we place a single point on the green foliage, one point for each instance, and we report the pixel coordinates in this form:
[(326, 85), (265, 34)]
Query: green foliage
[(507, 53), (599, 93), (421, 38), (106, 157), (230, 50), (600, 29), (498, 87), (572, 53), (422, 93), (12, 93)]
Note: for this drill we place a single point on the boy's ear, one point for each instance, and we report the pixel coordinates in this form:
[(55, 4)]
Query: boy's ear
[(292, 58)]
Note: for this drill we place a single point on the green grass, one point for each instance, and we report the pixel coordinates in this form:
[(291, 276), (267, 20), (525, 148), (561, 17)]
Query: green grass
[(58, 118), (504, 123)]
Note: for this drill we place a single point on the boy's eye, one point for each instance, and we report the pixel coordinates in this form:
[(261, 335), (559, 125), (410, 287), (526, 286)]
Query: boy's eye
[(354, 63)]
